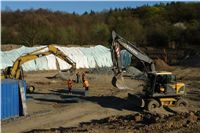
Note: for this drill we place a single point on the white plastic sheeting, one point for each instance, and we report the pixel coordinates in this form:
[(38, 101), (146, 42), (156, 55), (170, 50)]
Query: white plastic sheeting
[(76, 55), (98, 56), (51, 62)]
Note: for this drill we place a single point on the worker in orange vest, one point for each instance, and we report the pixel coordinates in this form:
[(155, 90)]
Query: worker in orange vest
[(86, 85), (69, 85)]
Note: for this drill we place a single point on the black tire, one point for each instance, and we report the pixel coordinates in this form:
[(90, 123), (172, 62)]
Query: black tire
[(181, 103), (30, 89), (152, 104), (136, 100)]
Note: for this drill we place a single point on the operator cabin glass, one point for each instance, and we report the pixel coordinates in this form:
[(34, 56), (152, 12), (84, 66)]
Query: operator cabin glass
[(167, 79), (157, 81), (172, 78)]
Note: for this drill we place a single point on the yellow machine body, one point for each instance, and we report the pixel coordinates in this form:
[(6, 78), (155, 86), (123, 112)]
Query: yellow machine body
[(167, 101), (15, 72)]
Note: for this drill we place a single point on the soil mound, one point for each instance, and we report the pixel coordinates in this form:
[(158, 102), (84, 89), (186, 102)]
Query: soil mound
[(162, 66), (138, 123)]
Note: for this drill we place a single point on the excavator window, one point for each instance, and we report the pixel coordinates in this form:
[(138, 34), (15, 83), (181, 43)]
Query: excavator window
[(164, 82), (168, 79), (172, 79)]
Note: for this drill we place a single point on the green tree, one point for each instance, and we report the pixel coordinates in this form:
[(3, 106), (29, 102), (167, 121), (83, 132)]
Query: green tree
[(157, 36), (100, 33), (132, 30)]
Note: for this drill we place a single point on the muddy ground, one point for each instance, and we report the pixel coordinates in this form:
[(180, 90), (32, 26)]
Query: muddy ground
[(51, 109)]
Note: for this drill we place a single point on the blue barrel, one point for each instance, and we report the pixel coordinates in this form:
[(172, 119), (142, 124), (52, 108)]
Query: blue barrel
[(11, 105)]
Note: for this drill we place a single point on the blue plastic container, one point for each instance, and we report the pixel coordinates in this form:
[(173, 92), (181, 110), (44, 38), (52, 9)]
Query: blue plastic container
[(11, 105)]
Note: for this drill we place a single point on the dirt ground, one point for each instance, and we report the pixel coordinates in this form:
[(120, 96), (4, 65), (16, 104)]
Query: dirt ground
[(105, 109)]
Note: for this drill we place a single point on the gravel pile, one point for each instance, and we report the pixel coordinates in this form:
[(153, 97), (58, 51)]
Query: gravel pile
[(162, 66)]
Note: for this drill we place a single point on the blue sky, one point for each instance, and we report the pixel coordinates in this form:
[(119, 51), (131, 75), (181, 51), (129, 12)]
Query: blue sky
[(77, 6)]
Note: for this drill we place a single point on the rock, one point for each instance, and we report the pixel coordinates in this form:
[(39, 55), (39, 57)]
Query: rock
[(138, 117), (149, 118), (188, 122), (192, 117), (170, 124), (125, 121), (162, 116), (112, 119)]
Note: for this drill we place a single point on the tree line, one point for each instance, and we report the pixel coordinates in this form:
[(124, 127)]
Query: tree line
[(161, 25)]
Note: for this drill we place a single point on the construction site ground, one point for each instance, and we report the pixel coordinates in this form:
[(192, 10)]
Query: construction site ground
[(52, 109)]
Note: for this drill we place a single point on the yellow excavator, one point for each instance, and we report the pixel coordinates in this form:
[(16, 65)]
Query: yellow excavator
[(16, 71), (161, 89)]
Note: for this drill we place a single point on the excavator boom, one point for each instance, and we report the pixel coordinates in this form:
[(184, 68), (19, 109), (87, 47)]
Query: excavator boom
[(119, 42), (15, 71)]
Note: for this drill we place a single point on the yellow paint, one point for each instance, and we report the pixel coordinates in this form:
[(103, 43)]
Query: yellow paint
[(177, 86), (3, 76), (167, 101)]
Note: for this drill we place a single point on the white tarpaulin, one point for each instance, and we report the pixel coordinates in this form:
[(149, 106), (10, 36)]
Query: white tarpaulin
[(51, 60), (98, 56)]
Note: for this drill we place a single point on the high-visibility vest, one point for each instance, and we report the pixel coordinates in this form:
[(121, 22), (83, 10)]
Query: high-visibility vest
[(86, 83)]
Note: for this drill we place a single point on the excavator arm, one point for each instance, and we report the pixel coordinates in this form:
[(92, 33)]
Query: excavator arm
[(15, 71), (117, 43)]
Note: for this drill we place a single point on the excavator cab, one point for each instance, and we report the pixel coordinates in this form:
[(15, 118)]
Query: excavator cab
[(163, 84), (7, 73), (3, 76), (162, 89)]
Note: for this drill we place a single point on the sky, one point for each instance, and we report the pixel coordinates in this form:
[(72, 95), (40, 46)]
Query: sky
[(77, 6)]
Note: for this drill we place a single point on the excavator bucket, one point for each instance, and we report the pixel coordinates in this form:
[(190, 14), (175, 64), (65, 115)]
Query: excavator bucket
[(118, 81), (65, 76)]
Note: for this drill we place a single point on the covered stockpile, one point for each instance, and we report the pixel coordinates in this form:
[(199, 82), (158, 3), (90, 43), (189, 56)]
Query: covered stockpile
[(90, 57)]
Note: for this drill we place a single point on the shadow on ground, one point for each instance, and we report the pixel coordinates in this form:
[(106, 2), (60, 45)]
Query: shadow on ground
[(65, 91), (112, 102), (104, 101), (61, 96), (52, 130)]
